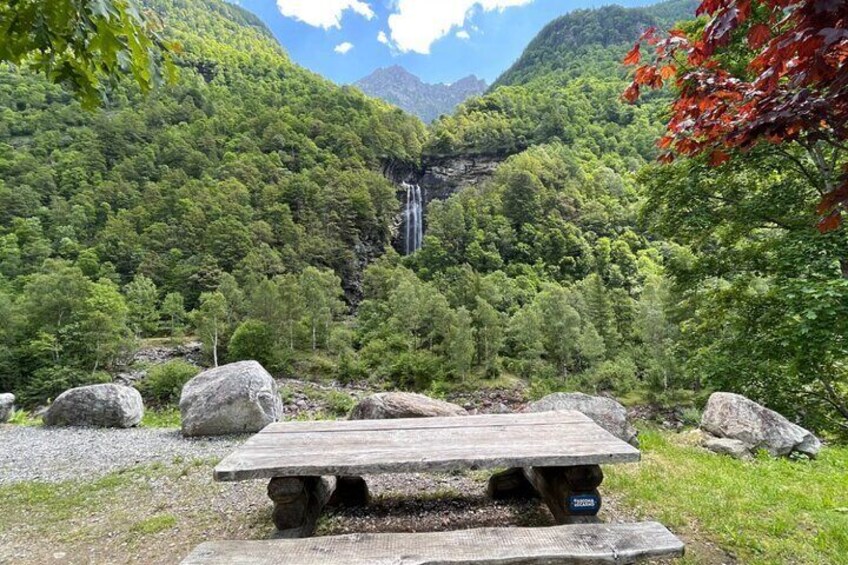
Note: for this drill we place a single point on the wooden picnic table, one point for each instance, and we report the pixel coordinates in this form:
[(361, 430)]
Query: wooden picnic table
[(554, 454)]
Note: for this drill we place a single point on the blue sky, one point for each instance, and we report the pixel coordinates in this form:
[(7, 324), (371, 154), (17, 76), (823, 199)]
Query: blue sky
[(438, 40)]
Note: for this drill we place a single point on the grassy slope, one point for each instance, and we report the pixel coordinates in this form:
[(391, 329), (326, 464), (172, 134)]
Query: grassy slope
[(765, 511)]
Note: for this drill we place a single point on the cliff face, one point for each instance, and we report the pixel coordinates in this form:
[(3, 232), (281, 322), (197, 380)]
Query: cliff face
[(438, 178), (442, 176)]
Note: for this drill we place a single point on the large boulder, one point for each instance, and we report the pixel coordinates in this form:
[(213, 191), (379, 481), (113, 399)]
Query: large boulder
[(606, 412), (733, 416), (390, 405), (727, 446), (7, 402), (103, 406), (231, 399)]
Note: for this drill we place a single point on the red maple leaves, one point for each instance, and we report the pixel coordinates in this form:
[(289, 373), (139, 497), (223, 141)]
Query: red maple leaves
[(792, 84)]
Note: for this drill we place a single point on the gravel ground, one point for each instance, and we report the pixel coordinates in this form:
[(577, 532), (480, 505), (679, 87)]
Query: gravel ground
[(29, 453)]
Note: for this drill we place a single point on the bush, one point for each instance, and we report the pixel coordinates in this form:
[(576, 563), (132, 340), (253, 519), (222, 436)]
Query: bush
[(350, 368), (618, 375), (414, 370), (164, 383), (253, 340), (339, 404), (49, 382)]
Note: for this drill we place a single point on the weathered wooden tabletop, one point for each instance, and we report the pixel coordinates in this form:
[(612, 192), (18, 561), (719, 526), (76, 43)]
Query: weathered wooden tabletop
[(357, 447)]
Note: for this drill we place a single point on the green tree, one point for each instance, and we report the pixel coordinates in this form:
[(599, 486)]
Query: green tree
[(559, 325), (597, 306), (103, 325), (657, 333), (210, 320), (321, 293), (173, 308), (460, 346), (488, 329), (253, 340), (86, 43), (142, 297)]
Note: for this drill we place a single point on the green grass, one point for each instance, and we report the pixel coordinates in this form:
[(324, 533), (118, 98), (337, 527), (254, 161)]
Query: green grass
[(23, 418), (474, 382), (162, 418), (154, 524), (764, 511), (336, 404)]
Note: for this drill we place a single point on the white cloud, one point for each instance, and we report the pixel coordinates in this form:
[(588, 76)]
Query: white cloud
[(383, 38), (343, 48), (416, 25), (323, 13), (462, 34)]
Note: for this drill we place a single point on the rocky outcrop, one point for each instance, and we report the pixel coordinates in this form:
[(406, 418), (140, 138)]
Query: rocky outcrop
[(442, 176), (103, 406), (231, 399), (7, 403), (606, 412), (727, 446), (390, 405), (735, 417)]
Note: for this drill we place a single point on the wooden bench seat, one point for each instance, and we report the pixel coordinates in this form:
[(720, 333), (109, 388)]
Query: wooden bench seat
[(581, 543)]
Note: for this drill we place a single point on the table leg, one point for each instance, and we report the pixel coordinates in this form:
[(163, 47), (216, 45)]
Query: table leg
[(571, 493), (510, 484), (298, 502), (350, 491)]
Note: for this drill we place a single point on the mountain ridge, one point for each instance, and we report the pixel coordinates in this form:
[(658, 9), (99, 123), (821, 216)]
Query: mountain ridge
[(428, 101)]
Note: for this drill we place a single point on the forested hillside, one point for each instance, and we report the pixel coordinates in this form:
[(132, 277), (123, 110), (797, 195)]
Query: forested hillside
[(243, 203), (545, 272), (248, 167), (566, 87), (581, 266)]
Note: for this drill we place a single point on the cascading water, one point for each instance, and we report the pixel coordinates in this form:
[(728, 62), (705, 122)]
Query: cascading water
[(413, 217)]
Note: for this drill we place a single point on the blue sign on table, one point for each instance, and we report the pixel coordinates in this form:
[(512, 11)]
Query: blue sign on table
[(584, 504)]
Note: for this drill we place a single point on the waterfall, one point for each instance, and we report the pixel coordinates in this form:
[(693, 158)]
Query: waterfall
[(413, 217)]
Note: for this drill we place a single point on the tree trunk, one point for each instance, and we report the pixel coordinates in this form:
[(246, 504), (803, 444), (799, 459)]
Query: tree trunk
[(215, 348)]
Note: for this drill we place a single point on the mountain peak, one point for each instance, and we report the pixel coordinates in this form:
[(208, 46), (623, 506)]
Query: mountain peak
[(398, 86)]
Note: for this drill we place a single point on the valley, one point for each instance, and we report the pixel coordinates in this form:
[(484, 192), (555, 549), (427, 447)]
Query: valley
[(557, 231)]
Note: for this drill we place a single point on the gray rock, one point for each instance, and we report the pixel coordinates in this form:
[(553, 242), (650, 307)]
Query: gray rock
[(733, 416), (7, 402), (231, 399), (390, 405), (606, 412), (102, 406), (726, 446)]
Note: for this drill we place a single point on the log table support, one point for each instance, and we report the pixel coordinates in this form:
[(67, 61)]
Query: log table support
[(571, 493), (510, 484), (350, 491), (298, 502)]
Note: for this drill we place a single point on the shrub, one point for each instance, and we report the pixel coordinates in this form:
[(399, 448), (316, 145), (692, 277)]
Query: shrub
[(618, 375), (164, 383), (253, 340), (691, 416), (414, 370), (350, 368), (339, 404)]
